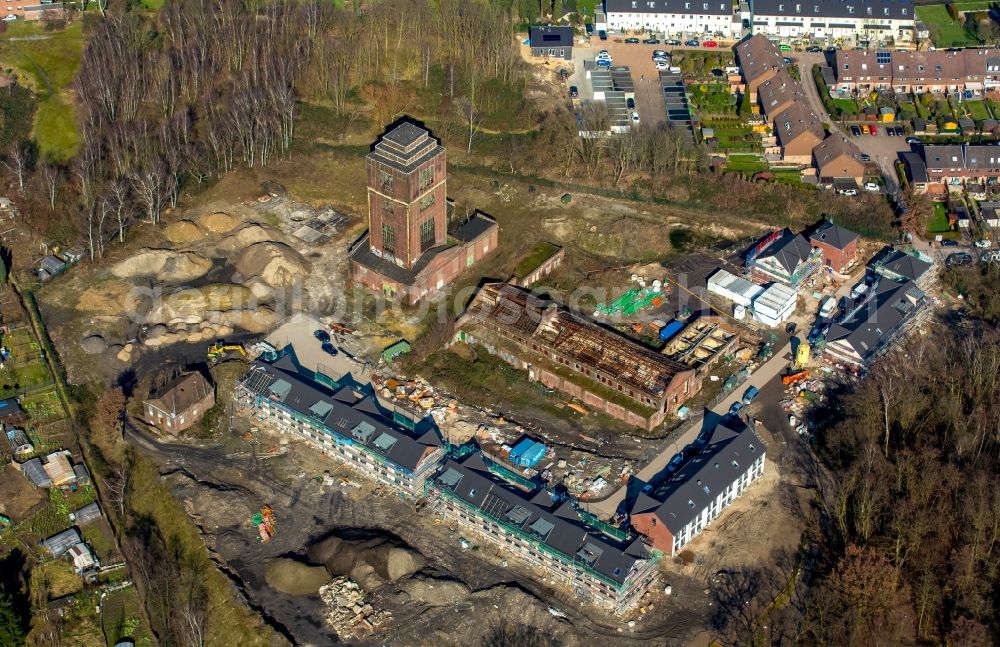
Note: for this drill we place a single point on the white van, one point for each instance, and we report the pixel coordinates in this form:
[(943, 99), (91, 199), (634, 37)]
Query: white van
[(827, 306)]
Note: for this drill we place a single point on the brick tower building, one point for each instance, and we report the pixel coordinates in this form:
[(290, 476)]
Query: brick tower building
[(408, 247)]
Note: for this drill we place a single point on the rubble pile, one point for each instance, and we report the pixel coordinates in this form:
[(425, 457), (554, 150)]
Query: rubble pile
[(347, 610), (416, 395), (799, 398)]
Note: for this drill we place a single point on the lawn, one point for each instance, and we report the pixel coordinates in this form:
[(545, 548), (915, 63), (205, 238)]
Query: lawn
[(945, 31), (976, 109), (937, 223), (846, 106), (50, 62), (712, 98), (746, 163), (738, 138)]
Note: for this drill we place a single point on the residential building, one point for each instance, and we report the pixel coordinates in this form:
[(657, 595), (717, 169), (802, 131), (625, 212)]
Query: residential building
[(180, 403), (952, 70), (916, 171), (551, 42), (990, 213), (351, 426), (778, 94), (836, 157), (598, 564), (574, 355), (799, 131), (899, 266), (759, 60), (775, 305), (406, 250), (870, 325), (678, 510), (838, 246), (673, 17), (958, 164), (861, 20), (783, 257)]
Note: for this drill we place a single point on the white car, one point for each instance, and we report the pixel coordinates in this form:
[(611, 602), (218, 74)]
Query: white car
[(635, 117), (9, 18), (871, 186), (848, 191), (662, 65), (983, 244), (603, 55), (659, 53)]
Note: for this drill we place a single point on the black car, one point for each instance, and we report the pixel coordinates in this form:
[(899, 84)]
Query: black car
[(787, 61), (855, 131), (603, 35), (573, 91), (651, 41), (817, 331), (590, 28), (632, 41), (958, 258), (814, 49), (673, 43), (865, 157), (899, 131), (947, 242), (329, 348), (630, 103), (322, 335)]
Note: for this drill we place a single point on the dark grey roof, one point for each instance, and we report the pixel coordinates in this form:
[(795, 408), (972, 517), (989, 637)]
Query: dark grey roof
[(885, 9), (87, 514), (53, 264), (727, 454), (405, 147), (981, 156), (362, 421), (696, 7), (477, 225), (59, 543), (82, 474), (899, 263), (561, 528), (789, 249), (916, 169), (405, 134), (834, 235), (873, 321), (944, 156), (549, 36), (362, 254), (35, 472)]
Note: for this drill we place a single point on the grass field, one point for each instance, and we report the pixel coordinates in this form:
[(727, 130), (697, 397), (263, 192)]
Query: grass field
[(50, 63), (976, 109), (746, 163), (846, 106), (937, 223), (945, 31)]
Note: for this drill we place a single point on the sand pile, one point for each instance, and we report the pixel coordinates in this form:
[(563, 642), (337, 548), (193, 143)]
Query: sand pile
[(276, 264), (183, 231), (112, 297), (163, 265), (295, 578), (247, 235), (195, 302), (370, 562), (218, 222), (438, 593)]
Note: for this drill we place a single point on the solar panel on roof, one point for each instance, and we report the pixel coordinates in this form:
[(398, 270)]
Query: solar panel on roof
[(882, 57)]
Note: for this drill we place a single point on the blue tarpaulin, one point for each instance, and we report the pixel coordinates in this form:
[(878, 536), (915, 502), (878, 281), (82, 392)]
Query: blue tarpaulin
[(670, 330)]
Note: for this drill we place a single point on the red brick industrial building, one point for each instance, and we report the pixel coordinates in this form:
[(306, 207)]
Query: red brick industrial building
[(410, 248)]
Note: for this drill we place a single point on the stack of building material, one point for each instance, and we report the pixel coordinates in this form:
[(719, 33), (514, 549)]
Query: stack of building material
[(347, 611)]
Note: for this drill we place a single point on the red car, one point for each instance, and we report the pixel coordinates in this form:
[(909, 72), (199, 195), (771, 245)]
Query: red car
[(710, 43), (874, 130)]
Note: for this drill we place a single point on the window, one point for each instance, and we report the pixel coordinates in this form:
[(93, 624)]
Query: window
[(427, 202), (388, 238), (386, 181), (426, 177), (426, 234)]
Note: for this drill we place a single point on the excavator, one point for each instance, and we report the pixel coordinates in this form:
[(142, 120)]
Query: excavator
[(220, 351)]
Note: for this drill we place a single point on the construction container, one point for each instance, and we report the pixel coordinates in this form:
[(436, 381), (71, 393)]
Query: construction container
[(527, 453), (802, 354), (671, 329)]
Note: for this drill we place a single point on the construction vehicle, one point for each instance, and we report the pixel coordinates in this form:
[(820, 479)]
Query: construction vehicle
[(802, 355), (220, 351), (795, 378), (5, 522), (340, 328), (264, 521)]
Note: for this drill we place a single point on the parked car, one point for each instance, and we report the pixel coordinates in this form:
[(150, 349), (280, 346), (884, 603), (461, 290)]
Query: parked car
[(864, 128), (651, 41), (630, 103), (673, 43), (574, 92), (872, 130), (692, 43), (735, 409), (958, 258), (710, 43), (814, 49), (750, 394), (983, 244), (948, 242), (899, 131), (815, 333), (827, 307), (865, 157), (855, 131), (787, 61), (785, 47), (322, 335), (791, 327), (847, 192), (662, 65), (604, 62), (635, 117), (859, 289), (913, 140), (890, 131), (991, 256), (676, 461), (632, 41), (659, 53), (589, 27), (329, 348), (603, 35), (871, 186)]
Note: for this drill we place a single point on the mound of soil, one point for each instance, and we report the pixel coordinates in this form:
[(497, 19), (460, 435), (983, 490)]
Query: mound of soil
[(295, 578), (111, 297), (437, 593), (218, 222), (247, 235), (365, 561), (194, 303), (183, 231), (276, 264), (163, 265), (94, 345)]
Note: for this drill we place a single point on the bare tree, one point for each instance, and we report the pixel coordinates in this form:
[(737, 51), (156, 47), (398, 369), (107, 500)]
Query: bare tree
[(17, 163)]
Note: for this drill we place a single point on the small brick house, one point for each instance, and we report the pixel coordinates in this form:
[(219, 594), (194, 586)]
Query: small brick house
[(838, 246), (180, 404)]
